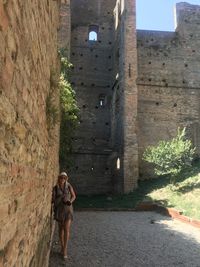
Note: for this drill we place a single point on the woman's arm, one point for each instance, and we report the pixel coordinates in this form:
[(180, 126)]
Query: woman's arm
[(73, 195), (56, 199)]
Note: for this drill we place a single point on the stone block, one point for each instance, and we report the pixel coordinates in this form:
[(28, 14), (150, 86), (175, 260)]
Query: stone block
[(4, 23)]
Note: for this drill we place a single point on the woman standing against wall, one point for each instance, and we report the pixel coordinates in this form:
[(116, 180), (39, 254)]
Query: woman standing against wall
[(63, 197)]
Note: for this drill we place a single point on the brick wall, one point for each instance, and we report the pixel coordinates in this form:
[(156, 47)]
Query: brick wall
[(105, 135), (130, 97), (28, 153), (92, 80), (168, 82), (124, 104), (64, 33)]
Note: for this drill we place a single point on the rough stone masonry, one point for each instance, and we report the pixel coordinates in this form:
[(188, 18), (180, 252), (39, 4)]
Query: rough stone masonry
[(29, 68)]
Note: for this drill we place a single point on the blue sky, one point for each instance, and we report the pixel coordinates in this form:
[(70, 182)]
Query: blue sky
[(158, 14)]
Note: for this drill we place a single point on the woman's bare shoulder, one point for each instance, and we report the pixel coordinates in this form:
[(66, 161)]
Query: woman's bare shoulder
[(69, 184)]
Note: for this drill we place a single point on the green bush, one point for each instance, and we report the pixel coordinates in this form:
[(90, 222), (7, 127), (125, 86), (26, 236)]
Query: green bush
[(69, 114), (171, 157)]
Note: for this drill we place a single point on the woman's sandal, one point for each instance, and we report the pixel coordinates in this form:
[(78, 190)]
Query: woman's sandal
[(65, 257)]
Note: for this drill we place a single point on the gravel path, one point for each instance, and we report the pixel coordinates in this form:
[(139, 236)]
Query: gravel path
[(129, 239)]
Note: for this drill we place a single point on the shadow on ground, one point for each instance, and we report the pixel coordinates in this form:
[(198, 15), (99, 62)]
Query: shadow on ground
[(123, 239)]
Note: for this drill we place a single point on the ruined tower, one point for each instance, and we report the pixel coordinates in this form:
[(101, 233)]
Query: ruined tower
[(104, 58)]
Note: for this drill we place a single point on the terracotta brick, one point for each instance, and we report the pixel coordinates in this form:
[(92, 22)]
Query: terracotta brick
[(195, 223)]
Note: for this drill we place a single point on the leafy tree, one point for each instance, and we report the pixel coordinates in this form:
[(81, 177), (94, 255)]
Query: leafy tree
[(171, 157), (69, 114)]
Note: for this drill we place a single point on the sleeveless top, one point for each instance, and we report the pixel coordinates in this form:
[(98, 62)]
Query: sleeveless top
[(62, 212)]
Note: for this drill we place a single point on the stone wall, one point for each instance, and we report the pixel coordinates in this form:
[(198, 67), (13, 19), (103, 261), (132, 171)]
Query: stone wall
[(64, 33), (169, 82), (28, 150), (124, 100), (130, 96), (92, 80), (104, 135)]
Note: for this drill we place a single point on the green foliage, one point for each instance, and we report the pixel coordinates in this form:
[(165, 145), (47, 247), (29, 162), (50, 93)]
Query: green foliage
[(69, 114), (171, 157), (184, 197), (65, 64), (65, 67)]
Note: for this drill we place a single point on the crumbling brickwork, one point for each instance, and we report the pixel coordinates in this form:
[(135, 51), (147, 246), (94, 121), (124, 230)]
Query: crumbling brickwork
[(29, 156)]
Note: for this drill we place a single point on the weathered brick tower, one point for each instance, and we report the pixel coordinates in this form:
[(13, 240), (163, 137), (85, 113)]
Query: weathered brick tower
[(103, 52)]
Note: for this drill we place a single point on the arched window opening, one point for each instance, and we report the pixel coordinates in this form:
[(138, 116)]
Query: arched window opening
[(118, 164), (92, 36), (101, 102), (93, 33)]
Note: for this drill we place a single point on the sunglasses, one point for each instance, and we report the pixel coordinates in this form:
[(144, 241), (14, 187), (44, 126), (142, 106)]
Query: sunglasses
[(62, 177)]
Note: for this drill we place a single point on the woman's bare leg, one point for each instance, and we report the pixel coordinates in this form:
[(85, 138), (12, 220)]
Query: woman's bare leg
[(66, 235), (61, 236)]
